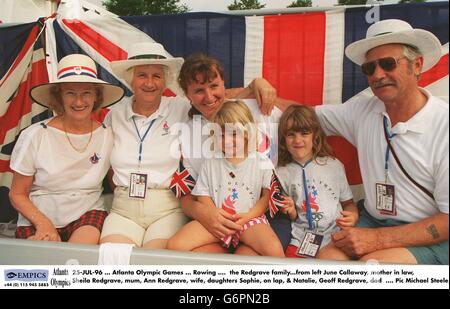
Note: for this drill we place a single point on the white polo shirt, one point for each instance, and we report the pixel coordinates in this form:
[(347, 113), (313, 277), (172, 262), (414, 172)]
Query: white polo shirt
[(421, 144), (160, 150), (195, 146), (66, 183)]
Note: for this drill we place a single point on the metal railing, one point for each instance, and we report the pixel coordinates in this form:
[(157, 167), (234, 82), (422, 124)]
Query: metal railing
[(28, 252)]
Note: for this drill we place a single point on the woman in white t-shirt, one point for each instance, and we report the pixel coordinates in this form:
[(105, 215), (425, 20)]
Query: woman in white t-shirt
[(59, 164), (236, 180)]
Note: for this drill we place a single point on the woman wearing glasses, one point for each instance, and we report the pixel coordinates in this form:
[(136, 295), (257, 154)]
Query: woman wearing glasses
[(59, 164)]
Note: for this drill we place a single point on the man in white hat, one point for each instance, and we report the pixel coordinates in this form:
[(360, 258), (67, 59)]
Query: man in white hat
[(405, 215)]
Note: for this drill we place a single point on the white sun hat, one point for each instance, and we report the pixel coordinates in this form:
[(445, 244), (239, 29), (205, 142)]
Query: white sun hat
[(76, 68), (149, 53), (391, 31)]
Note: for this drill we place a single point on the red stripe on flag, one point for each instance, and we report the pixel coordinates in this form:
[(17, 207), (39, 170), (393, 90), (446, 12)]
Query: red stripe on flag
[(21, 104), (39, 75), (102, 45), (293, 59), (348, 155), (4, 166), (29, 42), (168, 93), (440, 70), (100, 114)]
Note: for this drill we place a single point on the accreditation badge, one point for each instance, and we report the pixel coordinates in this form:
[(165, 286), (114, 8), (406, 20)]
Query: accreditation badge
[(385, 198), (310, 245), (138, 185)]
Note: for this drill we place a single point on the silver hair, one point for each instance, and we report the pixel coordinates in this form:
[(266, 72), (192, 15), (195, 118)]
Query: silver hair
[(411, 52), (129, 74)]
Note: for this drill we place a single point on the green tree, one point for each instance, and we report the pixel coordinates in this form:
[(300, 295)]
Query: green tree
[(352, 2), (144, 7), (411, 1), (246, 5), (300, 4)]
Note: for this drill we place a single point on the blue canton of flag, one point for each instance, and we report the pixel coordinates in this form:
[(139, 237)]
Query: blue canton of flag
[(182, 182)]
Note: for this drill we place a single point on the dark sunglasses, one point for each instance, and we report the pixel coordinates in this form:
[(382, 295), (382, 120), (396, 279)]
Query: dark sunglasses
[(388, 64)]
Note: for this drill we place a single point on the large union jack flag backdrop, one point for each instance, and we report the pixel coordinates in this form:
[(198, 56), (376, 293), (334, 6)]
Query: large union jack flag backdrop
[(302, 55)]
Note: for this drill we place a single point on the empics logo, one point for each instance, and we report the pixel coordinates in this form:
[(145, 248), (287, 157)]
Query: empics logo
[(26, 275), (11, 275)]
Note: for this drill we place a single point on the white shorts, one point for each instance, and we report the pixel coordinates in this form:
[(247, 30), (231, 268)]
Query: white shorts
[(159, 216)]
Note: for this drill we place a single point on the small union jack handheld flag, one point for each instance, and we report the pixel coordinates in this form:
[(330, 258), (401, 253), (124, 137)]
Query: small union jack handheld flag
[(182, 182), (275, 200)]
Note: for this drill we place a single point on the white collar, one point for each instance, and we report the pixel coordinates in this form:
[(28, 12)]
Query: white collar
[(417, 123), (160, 112)]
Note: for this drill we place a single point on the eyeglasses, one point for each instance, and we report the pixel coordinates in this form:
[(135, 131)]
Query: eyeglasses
[(85, 95), (388, 64)]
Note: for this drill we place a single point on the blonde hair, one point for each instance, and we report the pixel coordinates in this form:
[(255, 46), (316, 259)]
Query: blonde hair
[(236, 113), (57, 104), (300, 118)]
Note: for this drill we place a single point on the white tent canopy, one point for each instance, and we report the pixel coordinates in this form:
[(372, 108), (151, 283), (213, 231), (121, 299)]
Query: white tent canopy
[(26, 11)]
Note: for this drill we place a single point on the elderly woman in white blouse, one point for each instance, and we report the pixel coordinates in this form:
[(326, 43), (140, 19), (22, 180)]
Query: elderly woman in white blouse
[(59, 164)]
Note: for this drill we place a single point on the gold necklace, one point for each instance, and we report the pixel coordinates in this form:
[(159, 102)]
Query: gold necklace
[(80, 150)]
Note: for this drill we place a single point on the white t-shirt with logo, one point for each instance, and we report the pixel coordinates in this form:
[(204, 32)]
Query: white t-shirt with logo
[(160, 149), (327, 187), (236, 185), (66, 183), (196, 145)]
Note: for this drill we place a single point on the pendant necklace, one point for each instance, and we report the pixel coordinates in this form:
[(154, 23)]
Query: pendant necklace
[(80, 150)]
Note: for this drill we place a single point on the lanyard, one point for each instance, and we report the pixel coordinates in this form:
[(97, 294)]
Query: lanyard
[(307, 201), (389, 136), (141, 139)]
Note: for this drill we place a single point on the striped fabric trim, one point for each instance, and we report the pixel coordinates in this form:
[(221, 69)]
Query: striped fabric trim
[(234, 238), (76, 70)]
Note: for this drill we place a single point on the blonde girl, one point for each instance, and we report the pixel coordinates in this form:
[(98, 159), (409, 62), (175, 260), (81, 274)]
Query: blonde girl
[(236, 180)]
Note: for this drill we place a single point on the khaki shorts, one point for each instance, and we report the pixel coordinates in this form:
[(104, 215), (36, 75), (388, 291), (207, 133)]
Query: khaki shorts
[(159, 216)]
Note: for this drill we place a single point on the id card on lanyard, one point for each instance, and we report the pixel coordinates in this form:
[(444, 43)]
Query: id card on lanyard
[(138, 185), (310, 245), (385, 191), (138, 181)]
